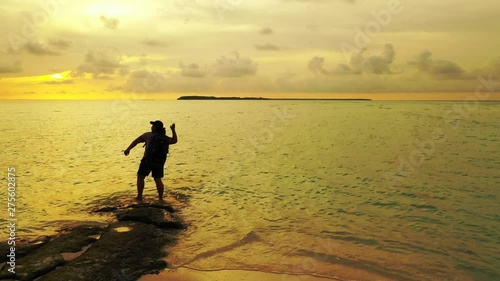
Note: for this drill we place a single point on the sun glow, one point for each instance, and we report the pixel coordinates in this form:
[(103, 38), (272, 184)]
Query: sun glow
[(56, 76)]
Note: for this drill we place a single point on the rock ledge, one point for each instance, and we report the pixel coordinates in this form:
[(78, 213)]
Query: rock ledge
[(123, 250)]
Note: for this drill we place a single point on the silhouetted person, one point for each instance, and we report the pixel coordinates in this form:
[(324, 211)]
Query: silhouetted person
[(155, 155)]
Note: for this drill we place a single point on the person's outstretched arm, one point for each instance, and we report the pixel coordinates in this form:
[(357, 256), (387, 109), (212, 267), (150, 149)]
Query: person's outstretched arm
[(173, 140), (133, 144)]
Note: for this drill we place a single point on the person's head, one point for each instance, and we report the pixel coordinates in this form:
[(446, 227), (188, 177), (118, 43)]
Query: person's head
[(156, 126)]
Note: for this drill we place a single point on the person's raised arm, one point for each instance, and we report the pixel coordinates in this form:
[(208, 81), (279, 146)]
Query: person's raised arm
[(133, 144), (173, 140)]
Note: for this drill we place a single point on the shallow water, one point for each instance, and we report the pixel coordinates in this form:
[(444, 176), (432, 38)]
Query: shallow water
[(349, 190)]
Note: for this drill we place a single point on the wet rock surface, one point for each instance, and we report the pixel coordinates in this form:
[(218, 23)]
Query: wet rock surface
[(123, 250), (151, 215)]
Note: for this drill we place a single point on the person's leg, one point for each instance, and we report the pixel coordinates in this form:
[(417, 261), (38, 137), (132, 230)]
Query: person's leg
[(140, 186), (160, 187), (157, 173), (142, 173)]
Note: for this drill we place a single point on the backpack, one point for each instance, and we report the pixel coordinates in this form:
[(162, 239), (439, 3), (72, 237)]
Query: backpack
[(157, 150)]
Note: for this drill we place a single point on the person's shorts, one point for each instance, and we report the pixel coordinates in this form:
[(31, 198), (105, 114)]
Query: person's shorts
[(156, 169)]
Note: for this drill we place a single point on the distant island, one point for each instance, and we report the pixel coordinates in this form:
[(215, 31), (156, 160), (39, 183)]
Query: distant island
[(219, 98), (259, 98)]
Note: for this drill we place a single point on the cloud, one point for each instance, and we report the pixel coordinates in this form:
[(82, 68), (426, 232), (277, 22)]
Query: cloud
[(55, 82), (38, 49), (235, 66), (424, 61), (375, 64), (359, 64), (316, 66), (192, 70), (101, 64), (14, 68), (381, 64), (142, 81), (146, 81), (194, 77), (156, 43), (60, 43), (438, 68), (266, 31), (110, 23), (447, 69), (267, 47), (343, 69)]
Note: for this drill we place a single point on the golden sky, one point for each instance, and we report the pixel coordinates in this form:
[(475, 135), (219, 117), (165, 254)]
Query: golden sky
[(382, 49)]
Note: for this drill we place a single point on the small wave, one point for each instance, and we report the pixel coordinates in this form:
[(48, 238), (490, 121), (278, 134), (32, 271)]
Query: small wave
[(358, 264), (347, 236), (251, 237), (386, 204), (425, 206)]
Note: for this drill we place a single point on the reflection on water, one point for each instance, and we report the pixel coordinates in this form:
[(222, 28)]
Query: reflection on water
[(355, 190)]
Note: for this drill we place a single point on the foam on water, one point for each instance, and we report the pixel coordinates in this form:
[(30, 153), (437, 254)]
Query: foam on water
[(350, 190)]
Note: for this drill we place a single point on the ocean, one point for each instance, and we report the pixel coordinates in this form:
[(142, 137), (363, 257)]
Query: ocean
[(346, 190)]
